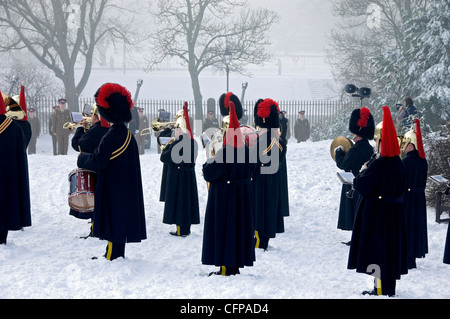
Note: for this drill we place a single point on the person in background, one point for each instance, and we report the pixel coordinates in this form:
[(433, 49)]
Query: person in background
[(405, 115), (302, 128), (35, 130), (61, 116), (50, 130), (143, 124)]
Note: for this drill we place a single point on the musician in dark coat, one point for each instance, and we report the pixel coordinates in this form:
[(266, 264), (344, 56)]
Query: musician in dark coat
[(15, 211), (181, 206), (228, 237), (447, 247), (269, 151), (87, 141), (119, 202), (415, 201), (362, 126), (284, 186), (378, 243)]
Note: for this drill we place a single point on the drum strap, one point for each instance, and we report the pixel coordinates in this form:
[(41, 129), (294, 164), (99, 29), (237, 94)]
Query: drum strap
[(122, 148), (274, 142), (5, 125)]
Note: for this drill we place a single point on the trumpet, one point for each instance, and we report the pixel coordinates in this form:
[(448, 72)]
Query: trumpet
[(158, 126), (86, 122)]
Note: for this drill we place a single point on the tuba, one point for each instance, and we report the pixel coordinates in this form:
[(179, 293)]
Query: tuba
[(345, 142)]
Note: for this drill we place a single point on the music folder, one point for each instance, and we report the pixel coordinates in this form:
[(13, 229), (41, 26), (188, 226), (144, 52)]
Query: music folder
[(346, 177), (439, 179)]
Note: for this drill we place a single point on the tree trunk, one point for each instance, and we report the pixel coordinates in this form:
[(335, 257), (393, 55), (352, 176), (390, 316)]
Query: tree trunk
[(198, 99)]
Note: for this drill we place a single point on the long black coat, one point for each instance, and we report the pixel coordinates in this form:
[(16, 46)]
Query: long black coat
[(352, 161), (181, 194), (379, 232), (119, 202), (14, 181), (415, 204), (267, 187), (284, 187), (447, 247), (87, 142), (228, 237)]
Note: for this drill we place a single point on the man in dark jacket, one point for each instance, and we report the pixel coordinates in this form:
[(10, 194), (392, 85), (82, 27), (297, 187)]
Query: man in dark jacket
[(302, 128), (87, 141), (181, 206), (415, 201), (362, 126), (270, 152), (378, 241), (228, 237), (119, 201), (15, 212)]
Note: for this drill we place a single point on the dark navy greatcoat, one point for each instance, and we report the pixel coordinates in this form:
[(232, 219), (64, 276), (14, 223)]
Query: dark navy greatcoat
[(415, 205), (15, 211), (228, 237), (267, 186), (119, 202), (447, 247), (181, 194), (379, 232), (352, 161), (87, 141), (26, 129)]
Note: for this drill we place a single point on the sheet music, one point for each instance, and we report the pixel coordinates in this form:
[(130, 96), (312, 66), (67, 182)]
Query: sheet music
[(346, 177)]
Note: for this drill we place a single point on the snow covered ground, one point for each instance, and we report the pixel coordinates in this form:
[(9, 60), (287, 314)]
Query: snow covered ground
[(49, 260)]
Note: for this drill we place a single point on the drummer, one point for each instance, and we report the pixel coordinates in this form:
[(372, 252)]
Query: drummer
[(362, 126), (87, 141)]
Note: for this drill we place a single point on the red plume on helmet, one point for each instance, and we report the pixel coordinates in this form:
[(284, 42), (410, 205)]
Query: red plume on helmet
[(389, 139), (420, 148), (233, 136), (23, 103), (2, 105), (186, 118)]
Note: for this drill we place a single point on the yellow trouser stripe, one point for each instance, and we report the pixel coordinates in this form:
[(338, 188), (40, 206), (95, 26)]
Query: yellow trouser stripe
[(378, 287), (224, 271), (109, 253), (257, 239), (178, 231)]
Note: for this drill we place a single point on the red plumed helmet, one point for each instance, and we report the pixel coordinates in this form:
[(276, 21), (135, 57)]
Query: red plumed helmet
[(420, 148), (2, 105), (23, 103), (186, 118), (233, 136), (389, 139)]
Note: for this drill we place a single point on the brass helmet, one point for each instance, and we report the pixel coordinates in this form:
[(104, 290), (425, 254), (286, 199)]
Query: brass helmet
[(13, 109), (410, 138), (377, 134), (225, 123), (180, 121)]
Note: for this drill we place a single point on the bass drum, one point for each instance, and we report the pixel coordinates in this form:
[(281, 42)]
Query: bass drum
[(82, 190)]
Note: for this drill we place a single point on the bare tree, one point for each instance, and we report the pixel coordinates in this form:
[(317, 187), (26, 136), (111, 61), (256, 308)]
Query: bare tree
[(197, 33), (62, 35)]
